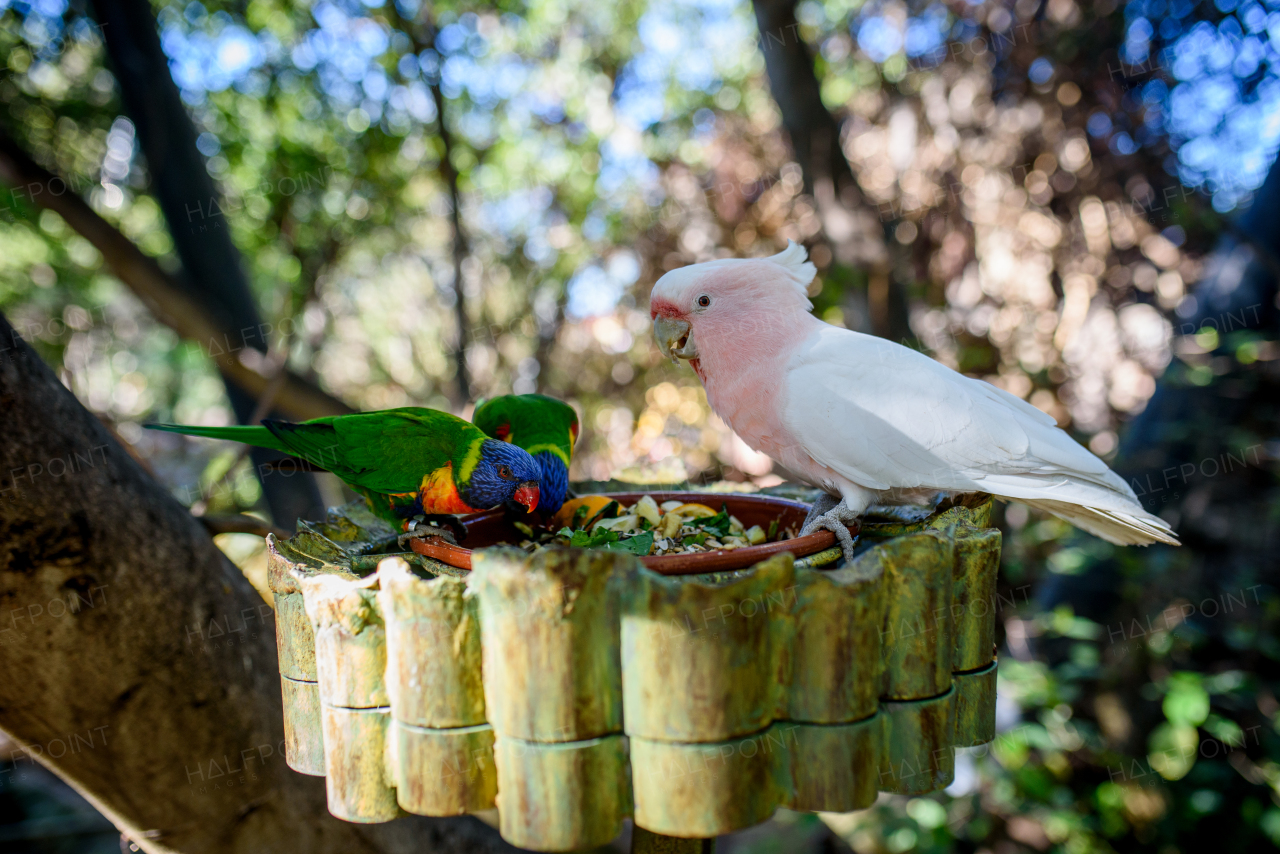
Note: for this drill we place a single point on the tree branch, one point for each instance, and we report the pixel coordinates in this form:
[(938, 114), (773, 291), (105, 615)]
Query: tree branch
[(239, 362)]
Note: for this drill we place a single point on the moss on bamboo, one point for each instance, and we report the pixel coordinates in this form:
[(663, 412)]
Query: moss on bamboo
[(703, 657), (441, 772), (433, 648), (563, 796), (917, 627), (357, 782), (704, 790), (834, 657), (835, 767), (975, 706), (549, 625), (917, 755)]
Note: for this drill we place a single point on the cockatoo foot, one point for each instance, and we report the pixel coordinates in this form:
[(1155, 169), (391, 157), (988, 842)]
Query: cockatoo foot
[(826, 513)]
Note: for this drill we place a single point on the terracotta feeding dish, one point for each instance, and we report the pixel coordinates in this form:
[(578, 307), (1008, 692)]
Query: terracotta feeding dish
[(493, 527)]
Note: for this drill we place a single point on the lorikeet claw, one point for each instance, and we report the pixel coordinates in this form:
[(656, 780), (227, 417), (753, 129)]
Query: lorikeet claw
[(424, 531)]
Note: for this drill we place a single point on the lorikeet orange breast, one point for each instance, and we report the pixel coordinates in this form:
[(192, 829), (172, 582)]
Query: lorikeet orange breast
[(545, 427), (403, 461)]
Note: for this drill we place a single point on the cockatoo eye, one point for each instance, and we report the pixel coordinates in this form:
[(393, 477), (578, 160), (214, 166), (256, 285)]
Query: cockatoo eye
[(504, 472), (703, 301)]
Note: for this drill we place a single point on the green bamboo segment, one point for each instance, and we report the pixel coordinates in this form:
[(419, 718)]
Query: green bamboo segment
[(433, 648), (563, 796), (412, 686), (351, 642), (835, 656), (440, 772), (295, 642), (917, 755), (975, 706), (916, 633), (973, 609), (303, 732), (549, 626), (835, 768), (702, 655), (704, 790), (356, 779)]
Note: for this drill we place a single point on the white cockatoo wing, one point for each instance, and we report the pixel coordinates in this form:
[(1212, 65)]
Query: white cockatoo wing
[(885, 416)]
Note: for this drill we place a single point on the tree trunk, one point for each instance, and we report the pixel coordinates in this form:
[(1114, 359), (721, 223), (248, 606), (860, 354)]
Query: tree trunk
[(213, 272), (138, 663), (856, 231)]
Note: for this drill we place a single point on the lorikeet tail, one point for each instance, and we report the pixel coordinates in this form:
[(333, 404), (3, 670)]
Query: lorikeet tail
[(259, 437)]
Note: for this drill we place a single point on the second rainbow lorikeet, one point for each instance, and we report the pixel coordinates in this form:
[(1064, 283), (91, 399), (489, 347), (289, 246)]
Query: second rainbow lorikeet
[(405, 462), (545, 427)]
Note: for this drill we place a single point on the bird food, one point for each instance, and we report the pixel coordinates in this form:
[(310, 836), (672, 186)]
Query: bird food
[(649, 528)]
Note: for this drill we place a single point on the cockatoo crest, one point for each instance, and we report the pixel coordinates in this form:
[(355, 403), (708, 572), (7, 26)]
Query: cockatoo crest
[(799, 269)]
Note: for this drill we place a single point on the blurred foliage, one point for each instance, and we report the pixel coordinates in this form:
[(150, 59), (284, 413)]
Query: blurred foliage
[(1025, 162)]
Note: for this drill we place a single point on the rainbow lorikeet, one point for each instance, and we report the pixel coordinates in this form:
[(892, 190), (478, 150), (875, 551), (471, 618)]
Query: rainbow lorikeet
[(404, 462), (543, 426)]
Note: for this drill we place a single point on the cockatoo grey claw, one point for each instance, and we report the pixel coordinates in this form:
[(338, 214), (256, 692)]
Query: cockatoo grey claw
[(833, 516)]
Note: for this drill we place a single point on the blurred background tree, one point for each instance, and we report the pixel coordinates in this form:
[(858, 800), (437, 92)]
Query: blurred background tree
[(433, 203)]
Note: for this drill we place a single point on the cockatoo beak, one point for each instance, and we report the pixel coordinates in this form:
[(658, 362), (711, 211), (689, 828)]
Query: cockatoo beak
[(675, 338)]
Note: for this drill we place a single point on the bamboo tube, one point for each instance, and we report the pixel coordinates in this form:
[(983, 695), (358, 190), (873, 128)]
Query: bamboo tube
[(296, 653), (917, 634), (433, 648), (356, 780), (704, 790), (834, 657), (702, 656), (295, 642), (563, 796), (549, 627), (835, 768), (644, 842), (351, 643), (977, 566), (916, 751), (303, 732), (440, 772), (975, 706)]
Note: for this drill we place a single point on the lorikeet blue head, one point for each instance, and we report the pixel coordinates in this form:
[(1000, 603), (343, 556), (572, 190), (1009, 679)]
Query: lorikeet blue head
[(555, 481), (543, 426), (504, 473)]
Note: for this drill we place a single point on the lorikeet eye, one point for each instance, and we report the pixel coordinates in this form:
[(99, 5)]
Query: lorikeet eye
[(504, 472)]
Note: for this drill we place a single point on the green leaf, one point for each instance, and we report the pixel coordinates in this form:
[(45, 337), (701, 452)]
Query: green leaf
[(695, 539), (637, 545), (717, 525)]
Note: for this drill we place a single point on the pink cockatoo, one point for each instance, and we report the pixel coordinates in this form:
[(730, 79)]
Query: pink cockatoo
[(869, 421)]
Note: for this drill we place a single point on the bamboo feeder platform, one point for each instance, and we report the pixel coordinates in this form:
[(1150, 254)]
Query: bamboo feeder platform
[(573, 689)]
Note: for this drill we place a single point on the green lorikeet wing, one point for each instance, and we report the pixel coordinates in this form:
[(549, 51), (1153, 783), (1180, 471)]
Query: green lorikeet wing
[(545, 427), (534, 422), (402, 461)]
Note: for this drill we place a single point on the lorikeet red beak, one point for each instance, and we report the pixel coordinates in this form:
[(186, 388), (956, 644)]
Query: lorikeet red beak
[(527, 494)]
